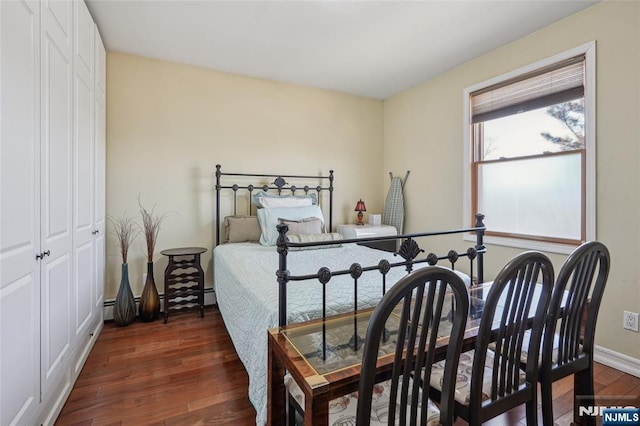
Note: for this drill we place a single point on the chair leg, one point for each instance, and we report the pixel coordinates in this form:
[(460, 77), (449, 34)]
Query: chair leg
[(532, 412), (291, 412), (547, 402), (473, 417), (583, 394), (532, 406)]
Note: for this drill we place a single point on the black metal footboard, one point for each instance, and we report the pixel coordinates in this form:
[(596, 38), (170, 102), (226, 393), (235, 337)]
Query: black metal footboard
[(409, 252)]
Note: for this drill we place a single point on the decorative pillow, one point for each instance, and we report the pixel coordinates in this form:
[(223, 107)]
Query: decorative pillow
[(264, 199), (308, 225), (268, 219), (314, 238), (240, 228)]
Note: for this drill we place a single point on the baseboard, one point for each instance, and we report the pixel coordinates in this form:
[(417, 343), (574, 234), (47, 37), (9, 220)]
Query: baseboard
[(617, 360), (209, 299)]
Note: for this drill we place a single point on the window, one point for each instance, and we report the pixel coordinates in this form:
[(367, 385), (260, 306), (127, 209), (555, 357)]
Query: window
[(529, 146)]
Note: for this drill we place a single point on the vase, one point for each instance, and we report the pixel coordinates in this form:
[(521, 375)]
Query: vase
[(124, 307), (149, 299)]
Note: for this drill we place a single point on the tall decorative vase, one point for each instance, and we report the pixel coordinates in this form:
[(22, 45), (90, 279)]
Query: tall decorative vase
[(124, 308), (149, 300)]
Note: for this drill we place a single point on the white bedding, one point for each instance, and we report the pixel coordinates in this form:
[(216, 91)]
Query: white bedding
[(247, 295)]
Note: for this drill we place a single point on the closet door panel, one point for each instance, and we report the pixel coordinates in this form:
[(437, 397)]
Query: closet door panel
[(56, 189), (20, 217), (60, 15), (98, 293), (20, 136), (84, 46), (84, 180), (100, 214), (56, 307), (99, 170), (83, 149), (84, 276), (56, 138), (57, 144), (101, 65), (99, 210), (19, 380)]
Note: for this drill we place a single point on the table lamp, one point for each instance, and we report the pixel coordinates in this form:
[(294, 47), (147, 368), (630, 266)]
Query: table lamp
[(360, 207)]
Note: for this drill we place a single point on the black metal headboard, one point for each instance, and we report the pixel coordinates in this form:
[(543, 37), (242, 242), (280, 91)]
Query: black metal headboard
[(278, 183)]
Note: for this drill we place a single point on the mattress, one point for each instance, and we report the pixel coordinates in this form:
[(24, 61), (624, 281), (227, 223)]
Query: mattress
[(247, 294)]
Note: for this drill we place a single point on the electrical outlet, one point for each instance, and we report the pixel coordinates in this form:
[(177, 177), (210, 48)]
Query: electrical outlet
[(630, 321)]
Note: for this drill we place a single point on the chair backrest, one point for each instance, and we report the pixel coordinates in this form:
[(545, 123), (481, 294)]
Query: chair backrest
[(521, 290), (578, 289), (424, 300)]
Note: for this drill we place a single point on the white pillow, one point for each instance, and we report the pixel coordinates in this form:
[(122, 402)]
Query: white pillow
[(270, 202), (264, 199), (269, 218)]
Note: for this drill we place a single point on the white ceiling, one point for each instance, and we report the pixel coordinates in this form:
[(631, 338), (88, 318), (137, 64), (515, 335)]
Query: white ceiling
[(368, 48)]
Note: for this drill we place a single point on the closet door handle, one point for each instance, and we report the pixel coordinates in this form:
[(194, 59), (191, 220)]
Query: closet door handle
[(43, 254)]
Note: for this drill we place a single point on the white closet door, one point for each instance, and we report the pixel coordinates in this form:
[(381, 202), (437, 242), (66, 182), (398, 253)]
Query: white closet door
[(83, 181), (20, 218), (99, 168), (56, 190)]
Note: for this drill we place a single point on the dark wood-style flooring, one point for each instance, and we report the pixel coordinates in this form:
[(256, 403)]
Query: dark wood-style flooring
[(186, 372)]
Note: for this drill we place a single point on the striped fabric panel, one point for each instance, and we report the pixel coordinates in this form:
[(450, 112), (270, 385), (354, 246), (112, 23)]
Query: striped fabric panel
[(394, 206)]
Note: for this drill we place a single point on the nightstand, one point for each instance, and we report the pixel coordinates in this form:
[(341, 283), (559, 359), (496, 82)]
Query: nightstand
[(183, 280), (352, 231)]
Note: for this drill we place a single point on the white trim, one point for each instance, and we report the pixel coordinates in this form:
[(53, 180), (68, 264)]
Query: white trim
[(589, 50), (590, 124), (524, 244), (616, 360)]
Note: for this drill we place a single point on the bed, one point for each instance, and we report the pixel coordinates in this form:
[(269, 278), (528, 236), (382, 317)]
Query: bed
[(294, 277)]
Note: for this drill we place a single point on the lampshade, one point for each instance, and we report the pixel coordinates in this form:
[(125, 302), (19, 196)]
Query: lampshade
[(360, 207)]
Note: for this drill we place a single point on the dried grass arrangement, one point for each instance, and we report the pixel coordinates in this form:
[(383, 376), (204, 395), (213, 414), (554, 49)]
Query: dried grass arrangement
[(126, 230), (149, 299), (151, 224), (124, 307)]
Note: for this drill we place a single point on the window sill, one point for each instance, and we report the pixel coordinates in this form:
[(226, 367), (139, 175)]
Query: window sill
[(524, 244)]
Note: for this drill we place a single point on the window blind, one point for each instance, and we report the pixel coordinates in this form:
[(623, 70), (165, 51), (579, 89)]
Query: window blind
[(544, 87)]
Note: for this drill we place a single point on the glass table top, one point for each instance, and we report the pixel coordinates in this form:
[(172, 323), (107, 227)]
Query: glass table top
[(338, 342)]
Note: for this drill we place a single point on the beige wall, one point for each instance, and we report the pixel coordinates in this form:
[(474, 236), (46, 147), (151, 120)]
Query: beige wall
[(423, 132), (169, 124)]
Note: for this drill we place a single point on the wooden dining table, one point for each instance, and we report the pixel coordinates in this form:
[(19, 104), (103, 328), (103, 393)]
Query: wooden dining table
[(323, 356)]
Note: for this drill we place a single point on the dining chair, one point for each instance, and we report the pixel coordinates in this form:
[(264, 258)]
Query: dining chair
[(433, 304), (567, 346), (491, 381)]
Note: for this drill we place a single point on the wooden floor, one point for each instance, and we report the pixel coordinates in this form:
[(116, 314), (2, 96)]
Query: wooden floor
[(187, 372)]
